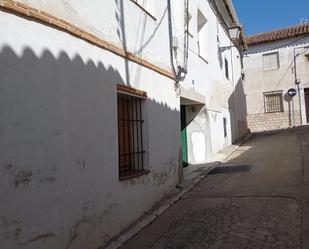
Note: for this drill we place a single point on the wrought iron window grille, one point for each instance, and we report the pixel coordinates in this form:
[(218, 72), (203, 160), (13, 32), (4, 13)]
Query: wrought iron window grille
[(130, 136)]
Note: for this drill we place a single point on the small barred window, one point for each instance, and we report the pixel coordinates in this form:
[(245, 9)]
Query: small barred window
[(273, 101), (130, 136)]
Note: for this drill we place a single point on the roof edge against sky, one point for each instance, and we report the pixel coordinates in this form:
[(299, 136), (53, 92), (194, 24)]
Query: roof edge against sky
[(234, 17), (278, 34)]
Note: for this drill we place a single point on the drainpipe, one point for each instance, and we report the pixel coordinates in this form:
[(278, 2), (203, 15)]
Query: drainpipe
[(170, 35), (186, 36), (178, 71)]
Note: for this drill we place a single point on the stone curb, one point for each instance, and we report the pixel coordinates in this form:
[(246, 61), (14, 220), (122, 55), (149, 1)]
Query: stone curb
[(159, 211)]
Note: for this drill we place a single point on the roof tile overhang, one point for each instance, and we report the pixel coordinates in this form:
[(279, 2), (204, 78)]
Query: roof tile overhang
[(279, 34)]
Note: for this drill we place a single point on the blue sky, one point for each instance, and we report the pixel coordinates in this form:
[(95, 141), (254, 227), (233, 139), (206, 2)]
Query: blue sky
[(265, 15)]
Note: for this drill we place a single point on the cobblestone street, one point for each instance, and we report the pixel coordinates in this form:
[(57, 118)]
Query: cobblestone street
[(257, 198)]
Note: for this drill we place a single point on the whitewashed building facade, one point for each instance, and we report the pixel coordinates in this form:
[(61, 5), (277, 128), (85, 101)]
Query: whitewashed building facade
[(275, 62), (90, 103), (212, 93)]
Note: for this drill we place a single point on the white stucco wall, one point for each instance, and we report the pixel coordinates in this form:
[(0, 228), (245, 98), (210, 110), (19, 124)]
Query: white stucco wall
[(206, 76), (119, 22), (258, 80), (59, 184), (58, 118)]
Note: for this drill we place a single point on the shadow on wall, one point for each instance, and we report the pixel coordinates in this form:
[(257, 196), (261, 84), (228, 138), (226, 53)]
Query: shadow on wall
[(193, 113), (121, 32), (219, 55), (143, 39), (52, 121), (58, 147), (238, 112)]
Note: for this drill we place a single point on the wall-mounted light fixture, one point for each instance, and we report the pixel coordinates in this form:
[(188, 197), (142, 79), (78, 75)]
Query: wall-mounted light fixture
[(234, 33)]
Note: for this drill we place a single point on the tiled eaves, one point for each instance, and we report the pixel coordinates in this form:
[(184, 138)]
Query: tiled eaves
[(279, 34), (44, 17)]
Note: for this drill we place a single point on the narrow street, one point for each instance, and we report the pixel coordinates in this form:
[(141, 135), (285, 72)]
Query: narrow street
[(145, 124), (257, 198)]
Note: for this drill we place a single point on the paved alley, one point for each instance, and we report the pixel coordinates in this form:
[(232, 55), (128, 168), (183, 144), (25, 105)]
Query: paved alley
[(257, 198)]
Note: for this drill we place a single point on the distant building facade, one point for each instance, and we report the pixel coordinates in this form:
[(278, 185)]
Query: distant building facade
[(212, 96), (275, 62)]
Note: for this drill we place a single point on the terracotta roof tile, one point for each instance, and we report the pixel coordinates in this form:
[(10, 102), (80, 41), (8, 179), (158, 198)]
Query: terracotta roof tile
[(279, 34)]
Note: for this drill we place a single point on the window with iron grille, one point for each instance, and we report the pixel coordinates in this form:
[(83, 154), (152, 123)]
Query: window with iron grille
[(130, 136), (273, 101)]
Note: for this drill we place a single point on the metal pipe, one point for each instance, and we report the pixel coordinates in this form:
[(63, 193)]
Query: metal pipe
[(170, 32), (186, 36)]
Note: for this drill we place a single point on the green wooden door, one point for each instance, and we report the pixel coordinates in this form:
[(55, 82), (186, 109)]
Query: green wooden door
[(183, 126)]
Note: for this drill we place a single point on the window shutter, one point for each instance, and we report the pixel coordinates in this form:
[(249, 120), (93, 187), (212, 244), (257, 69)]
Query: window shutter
[(266, 61), (124, 133), (271, 61)]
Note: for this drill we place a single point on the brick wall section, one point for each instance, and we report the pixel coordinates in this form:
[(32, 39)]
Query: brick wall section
[(41, 16), (271, 121)]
